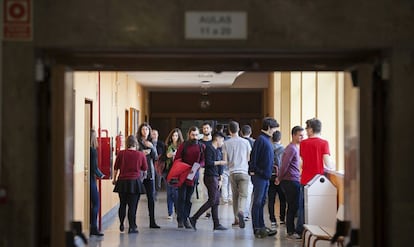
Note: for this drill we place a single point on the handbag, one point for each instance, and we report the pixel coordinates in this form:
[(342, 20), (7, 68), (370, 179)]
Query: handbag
[(159, 166)]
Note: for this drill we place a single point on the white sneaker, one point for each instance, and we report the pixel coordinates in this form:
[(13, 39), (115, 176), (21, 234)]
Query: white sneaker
[(169, 217), (273, 225), (294, 236)]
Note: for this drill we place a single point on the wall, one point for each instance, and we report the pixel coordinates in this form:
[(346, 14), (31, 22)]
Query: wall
[(118, 93), (295, 97), (274, 27)]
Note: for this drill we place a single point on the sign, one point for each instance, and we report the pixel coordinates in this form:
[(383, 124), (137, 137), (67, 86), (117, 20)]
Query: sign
[(215, 25), (17, 24)]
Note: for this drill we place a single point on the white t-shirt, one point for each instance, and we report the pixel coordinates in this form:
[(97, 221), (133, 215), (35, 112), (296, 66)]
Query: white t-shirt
[(237, 150)]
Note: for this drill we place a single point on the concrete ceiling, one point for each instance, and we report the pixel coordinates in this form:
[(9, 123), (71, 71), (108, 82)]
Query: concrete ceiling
[(196, 80)]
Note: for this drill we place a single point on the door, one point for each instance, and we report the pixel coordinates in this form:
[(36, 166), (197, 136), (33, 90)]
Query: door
[(87, 141)]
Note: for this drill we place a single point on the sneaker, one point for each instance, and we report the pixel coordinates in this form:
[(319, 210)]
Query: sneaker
[(294, 236), (273, 225), (270, 232), (260, 233), (241, 220), (247, 218), (220, 228), (169, 217), (282, 222)]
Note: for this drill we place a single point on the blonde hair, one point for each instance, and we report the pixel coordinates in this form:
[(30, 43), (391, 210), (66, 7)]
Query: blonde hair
[(94, 139)]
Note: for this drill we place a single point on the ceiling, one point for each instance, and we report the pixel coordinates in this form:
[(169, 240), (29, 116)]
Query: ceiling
[(196, 80)]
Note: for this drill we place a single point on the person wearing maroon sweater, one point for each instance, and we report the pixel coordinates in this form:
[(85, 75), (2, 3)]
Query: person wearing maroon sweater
[(128, 166), (190, 152)]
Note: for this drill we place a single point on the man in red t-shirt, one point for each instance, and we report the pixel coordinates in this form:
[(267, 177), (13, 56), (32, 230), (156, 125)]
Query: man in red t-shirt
[(315, 155)]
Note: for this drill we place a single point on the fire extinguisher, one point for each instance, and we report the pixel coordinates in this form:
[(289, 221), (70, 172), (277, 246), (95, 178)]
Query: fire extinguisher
[(119, 143)]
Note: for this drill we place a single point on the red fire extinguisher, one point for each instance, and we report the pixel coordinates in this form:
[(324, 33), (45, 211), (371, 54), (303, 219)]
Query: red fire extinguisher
[(119, 143)]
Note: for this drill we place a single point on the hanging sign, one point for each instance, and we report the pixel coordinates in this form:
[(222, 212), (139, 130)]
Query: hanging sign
[(17, 24), (215, 25)]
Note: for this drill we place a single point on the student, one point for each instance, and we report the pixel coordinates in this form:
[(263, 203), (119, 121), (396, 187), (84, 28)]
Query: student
[(129, 165), (212, 174), (289, 180), (190, 151), (236, 151), (315, 155), (260, 170)]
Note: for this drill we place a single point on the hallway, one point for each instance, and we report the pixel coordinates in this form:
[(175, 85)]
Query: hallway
[(169, 235)]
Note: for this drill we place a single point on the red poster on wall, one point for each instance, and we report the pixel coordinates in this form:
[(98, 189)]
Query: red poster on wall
[(17, 25)]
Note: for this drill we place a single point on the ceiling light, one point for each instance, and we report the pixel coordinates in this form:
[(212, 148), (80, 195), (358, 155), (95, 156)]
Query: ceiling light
[(205, 82)]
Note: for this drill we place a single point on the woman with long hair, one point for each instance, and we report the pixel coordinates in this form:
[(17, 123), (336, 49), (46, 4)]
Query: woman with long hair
[(129, 164), (172, 142), (94, 173), (146, 146)]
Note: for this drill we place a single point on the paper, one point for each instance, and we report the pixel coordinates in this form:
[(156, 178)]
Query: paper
[(193, 171)]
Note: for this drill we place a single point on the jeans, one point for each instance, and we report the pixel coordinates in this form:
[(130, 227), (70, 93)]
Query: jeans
[(260, 186), (273, 191), (94, 199), (292, 192), (301, 212), (172, 195), (184, 202), (226, 192), (211, 182)]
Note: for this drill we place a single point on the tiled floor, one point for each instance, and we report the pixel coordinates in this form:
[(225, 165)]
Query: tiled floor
[(169, 235)]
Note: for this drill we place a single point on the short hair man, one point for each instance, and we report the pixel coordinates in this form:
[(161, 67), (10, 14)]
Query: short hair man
[(260, 170), (289, 178), (236, 152), (315, 155)]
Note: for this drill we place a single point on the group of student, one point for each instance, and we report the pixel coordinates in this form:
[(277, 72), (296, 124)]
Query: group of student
[(260, 168)]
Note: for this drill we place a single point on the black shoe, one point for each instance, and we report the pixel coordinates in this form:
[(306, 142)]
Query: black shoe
[(154, 225), (241, 220), (220, 228), (207, 215), (193, 223), (132, 230), (180, 225), (121, 227), (96, 233), (260, 233), (187, 224)]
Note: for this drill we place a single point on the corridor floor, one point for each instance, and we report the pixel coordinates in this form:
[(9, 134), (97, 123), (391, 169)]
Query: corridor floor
[(171, 236)]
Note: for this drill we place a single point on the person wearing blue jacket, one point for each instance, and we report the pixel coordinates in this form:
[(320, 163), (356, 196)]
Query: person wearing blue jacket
[(260, 170)]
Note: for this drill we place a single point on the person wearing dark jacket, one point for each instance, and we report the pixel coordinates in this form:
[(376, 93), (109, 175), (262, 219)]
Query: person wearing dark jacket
[(260, 170), (145, 145), (94, 195), (213, 162)]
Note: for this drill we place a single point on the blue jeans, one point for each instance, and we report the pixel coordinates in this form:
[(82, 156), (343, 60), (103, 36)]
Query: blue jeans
[(172, 195), (260, 186), (292, 192), (301, 212), (94, 196)]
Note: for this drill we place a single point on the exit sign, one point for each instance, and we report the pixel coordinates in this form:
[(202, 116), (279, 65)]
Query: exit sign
[(215, 25)]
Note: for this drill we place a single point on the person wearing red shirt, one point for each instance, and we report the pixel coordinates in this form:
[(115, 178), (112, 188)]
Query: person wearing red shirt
[(129, 165), (315, 155)]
